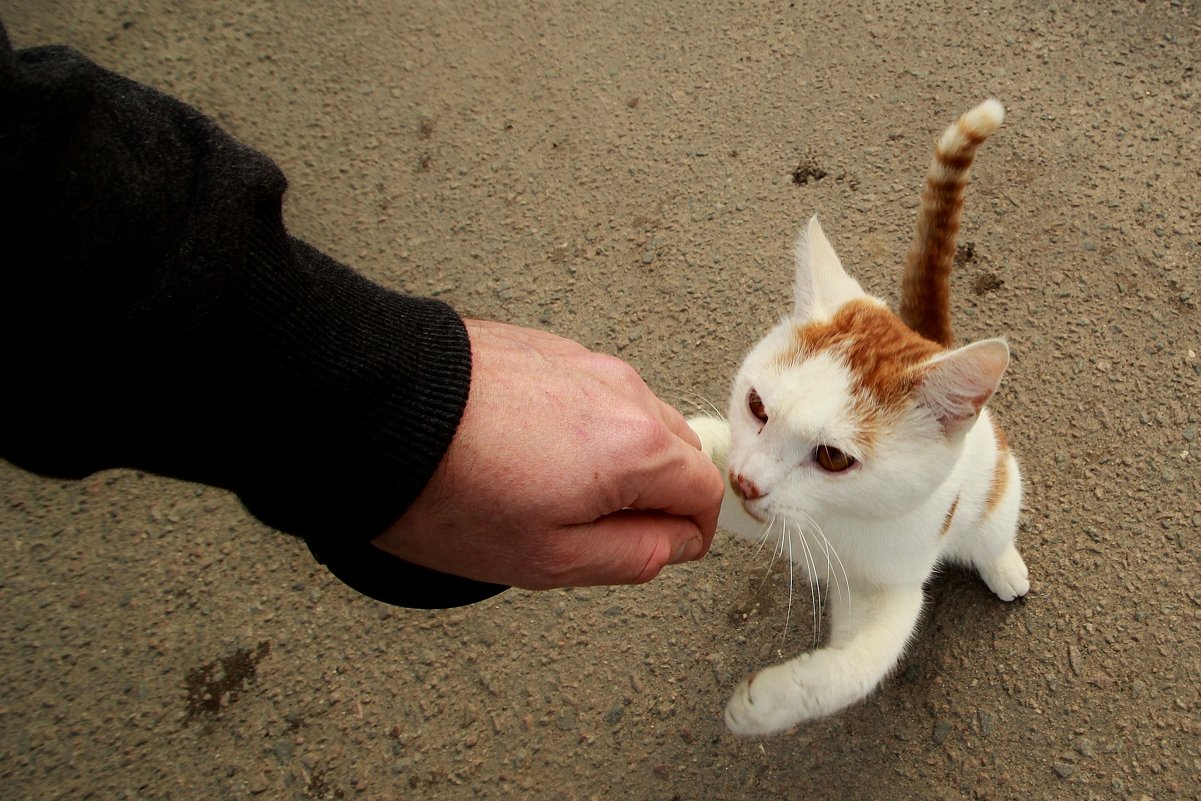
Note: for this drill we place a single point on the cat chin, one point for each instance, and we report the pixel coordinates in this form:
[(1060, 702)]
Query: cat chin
[(760, 516)]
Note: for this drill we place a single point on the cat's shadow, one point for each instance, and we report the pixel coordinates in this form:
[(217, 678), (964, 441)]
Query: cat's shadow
[(961, 620)]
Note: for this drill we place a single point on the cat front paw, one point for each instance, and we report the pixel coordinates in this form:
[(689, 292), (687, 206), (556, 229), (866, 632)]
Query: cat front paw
[(1006, 575), (714, 434), (769, 702)]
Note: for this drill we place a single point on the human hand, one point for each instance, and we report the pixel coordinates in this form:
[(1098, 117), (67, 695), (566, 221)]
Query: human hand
[(566, 471)]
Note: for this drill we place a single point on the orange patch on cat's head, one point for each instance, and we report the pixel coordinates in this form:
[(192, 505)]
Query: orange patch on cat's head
[(882, 354)]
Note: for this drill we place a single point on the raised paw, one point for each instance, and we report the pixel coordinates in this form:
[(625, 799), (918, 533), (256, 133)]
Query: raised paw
[(714, 434), (1006, 575), (770, 701)]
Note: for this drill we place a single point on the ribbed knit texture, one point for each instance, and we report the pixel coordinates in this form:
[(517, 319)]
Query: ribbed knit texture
[(156, 315)]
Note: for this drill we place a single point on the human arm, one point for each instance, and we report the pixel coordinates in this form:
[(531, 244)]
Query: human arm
[(156, 315)]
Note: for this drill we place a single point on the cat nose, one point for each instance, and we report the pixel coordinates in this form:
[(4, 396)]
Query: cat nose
[(745, 488)]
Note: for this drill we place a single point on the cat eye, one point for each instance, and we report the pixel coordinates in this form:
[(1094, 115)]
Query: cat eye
[(755, 404), (832, 460)]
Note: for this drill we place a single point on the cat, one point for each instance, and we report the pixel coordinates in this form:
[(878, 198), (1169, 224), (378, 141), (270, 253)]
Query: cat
[(857, 441)]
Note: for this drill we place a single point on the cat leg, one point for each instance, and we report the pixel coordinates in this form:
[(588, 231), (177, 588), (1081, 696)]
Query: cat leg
[(868, 636), (995, 556), (715, 438), (1005, 574), (989, 546), (715, 442)]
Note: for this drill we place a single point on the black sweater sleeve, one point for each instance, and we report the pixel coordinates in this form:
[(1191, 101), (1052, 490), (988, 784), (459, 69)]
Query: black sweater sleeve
[(154, 314)]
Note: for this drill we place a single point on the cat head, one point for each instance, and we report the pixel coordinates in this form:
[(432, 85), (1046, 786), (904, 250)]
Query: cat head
[(842, 409)]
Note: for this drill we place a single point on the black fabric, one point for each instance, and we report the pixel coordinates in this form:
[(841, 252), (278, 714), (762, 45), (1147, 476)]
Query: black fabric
[(155, 314), (384, 577)]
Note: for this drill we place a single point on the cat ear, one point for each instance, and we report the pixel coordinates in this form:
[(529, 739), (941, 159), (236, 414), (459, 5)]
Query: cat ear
[(821, 285), (956, 385)]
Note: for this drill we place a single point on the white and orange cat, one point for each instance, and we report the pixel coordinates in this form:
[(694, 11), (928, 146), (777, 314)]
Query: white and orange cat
[(858, 442)]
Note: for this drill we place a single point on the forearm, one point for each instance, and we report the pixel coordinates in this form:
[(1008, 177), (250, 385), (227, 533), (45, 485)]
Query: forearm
[(154, 314)]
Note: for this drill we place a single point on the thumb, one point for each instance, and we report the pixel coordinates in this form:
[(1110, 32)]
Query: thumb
[(631, 547)]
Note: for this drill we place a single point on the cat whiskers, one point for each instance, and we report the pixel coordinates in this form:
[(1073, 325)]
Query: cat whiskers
[(810, 539), (828, 547), (763, 535), (777, 551), (784, 540), (833, 560), (702, 404), (815, 587)]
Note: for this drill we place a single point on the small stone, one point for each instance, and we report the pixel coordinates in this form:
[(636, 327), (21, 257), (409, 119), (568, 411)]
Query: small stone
[(942, 730), (283, 748), (1065, 770), (1084, 747), (1075, 660)]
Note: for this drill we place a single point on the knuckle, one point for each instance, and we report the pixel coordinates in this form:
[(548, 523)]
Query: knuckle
[(637, 438), (714, 485), (650, 435), (618, 370)]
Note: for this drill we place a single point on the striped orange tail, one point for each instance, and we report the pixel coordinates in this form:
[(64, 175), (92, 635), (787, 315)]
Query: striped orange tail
[(925, 287)]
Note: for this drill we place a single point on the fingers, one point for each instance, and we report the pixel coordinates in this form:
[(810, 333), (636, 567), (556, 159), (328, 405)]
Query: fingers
[(679, 480), (676, 423), (676, 477), (631, 547)]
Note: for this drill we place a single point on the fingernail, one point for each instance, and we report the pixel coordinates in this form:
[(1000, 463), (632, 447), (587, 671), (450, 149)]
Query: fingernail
[(687, 551)]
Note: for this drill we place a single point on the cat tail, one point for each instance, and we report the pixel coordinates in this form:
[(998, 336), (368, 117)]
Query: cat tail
[(925, 287)]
